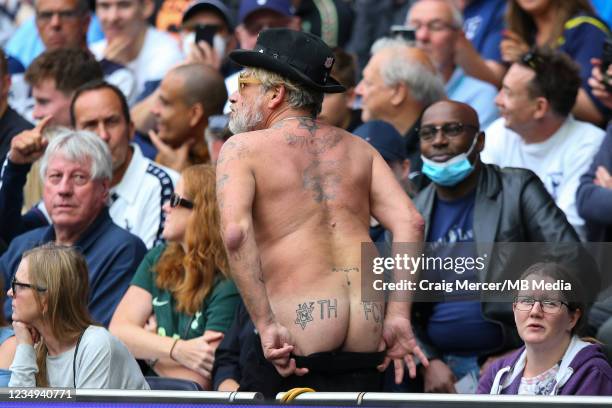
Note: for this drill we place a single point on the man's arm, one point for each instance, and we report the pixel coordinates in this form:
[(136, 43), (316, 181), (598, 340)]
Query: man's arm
[(390, 205), (235, 195)]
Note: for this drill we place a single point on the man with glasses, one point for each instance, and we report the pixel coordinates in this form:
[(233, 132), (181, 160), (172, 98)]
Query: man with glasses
[(253, 17), (77, 172), (537, 132), (295, 197), (470, 202), (438, 29)]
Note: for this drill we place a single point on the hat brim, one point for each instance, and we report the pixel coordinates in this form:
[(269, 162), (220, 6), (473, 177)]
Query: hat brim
[(260, 60)]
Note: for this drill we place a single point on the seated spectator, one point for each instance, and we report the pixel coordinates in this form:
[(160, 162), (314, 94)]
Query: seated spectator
[(58, 344), (472, 202), (183, 285), (398, 83), (187, 96), (392, 147), (8, 343), (70, 30), (337, 109), (138, 187), (130, 42), (570, 26), (554, 360), (537, 131), (77, 170), (438, 29), (49, 30), (236, 363), (11, 123), (209, 13)]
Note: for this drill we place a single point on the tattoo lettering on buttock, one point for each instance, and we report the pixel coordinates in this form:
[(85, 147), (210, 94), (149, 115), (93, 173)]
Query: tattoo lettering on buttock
[(304, 314), (322, 178), (328, 309), (372, 311)]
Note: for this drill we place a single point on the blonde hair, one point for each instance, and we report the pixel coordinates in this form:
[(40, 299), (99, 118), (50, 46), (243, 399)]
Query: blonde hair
[(62, 271)]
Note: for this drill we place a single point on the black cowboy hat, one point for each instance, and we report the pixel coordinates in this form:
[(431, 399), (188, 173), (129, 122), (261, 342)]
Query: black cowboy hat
[(299, 56)]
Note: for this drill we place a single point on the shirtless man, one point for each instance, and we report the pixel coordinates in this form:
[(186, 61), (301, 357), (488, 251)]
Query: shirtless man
[(296, 197)]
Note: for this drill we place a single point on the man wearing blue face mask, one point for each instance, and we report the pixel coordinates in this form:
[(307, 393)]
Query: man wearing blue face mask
[(469, 201)]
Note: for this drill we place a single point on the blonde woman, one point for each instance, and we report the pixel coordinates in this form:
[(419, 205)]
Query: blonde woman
[(57, 343), (183, 285), (7, 347)]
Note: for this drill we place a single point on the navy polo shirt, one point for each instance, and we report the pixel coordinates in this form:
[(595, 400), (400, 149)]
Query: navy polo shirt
[(112, 255)]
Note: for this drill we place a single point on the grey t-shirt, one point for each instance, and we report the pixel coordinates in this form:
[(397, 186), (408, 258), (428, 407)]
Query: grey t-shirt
[(102, 361)]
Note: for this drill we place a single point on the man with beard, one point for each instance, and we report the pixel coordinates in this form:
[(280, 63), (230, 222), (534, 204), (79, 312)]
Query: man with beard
[(288, 186)]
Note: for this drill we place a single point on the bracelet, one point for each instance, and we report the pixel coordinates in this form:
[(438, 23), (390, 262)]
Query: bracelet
[(172, 348)]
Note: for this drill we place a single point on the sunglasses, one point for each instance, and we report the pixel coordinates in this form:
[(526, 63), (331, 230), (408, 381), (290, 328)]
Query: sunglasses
[(16, 284), (176, 200), (428, 132)]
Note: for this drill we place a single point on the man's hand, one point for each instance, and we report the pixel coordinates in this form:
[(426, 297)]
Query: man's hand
[(228, 384), (603, 178), (203, 53), (29, 145), (197, 354), (401, 345), (439, 378), (25, 334), (512, 46), (277, 346), (176, 158), (596, 82), (123, 50)]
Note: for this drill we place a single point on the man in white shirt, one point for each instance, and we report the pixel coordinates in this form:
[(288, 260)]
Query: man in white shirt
[(537, 132), (130, 43), (139, 186)]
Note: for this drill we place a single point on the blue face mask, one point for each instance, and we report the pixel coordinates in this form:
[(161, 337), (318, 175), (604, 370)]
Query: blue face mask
[(452, 171)]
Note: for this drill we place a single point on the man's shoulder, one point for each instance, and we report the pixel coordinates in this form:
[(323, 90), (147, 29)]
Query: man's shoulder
[(583, 132), (110, 236), (28, 240)]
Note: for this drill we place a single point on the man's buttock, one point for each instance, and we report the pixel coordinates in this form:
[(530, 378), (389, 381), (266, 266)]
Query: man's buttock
[(329, 315)]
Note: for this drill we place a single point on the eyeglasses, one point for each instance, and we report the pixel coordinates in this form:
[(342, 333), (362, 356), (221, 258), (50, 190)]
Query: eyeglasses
[(15, 284), (244, 80), (433, 26), (525, 304), (532, 60), (46, 16), (176, 200), (428, 132)]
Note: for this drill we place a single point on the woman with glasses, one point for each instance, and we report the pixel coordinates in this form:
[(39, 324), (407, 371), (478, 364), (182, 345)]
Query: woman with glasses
[(58, 344), (554, 360), (181, 301), (8, 342), (571, 26)]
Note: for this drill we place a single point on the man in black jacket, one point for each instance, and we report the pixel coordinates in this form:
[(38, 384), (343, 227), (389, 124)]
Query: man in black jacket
[(471, 206)]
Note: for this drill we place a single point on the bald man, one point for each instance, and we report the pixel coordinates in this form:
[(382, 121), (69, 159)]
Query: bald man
[(188, 95), (398, 83), (468, 202)]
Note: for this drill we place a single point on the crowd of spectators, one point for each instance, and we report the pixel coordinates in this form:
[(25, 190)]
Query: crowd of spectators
[(493, 116)]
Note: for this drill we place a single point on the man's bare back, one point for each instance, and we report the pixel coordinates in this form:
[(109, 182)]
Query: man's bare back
[(310, 216)]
